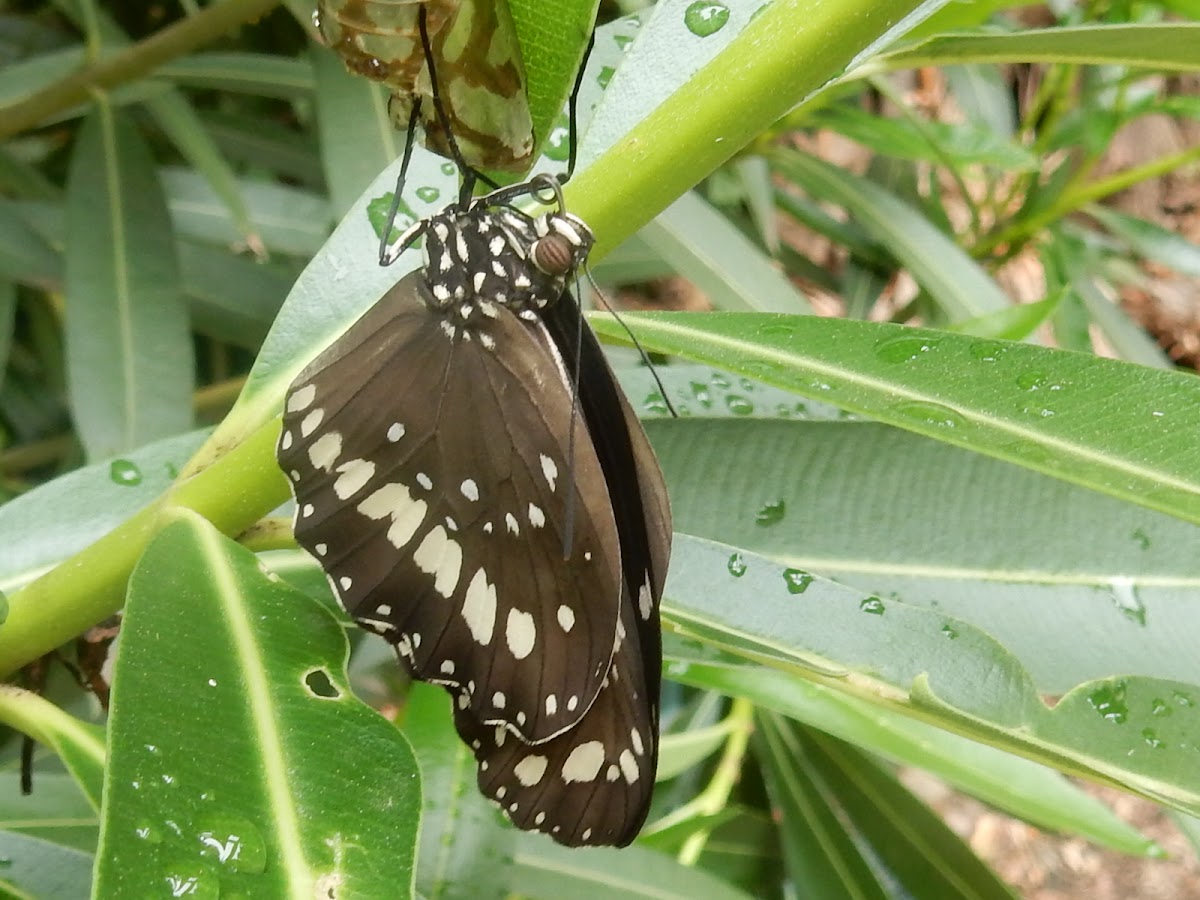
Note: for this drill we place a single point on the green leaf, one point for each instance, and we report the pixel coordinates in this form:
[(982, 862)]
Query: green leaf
[(466, 846), (817, 849), (129, 349), (710, 251), (57, 811), (1112, 426), (1022, 788), (955, 281), (357, 136), (908, 840), (78, 744), (1133, 731), (244, 764), (63, 516), (1164, 46), (34, 868), (546, 870)]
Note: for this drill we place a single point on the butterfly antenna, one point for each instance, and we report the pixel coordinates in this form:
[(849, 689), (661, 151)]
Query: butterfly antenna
[(572, 109), (636, 343), (470, 175), (385, 240)]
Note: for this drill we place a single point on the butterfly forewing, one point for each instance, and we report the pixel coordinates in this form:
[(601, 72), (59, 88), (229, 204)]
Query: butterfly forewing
[(431, 477)]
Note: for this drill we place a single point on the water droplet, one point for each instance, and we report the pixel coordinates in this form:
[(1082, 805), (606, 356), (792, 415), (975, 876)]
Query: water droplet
[(654, 403), (931, 414), (700, 392), (428, 194), (1109, 701), (606, 74), (184, 881), (1143, 539), (949, 632), (1182, 699), (872, 605), (1152, 739), (771, 513), (172, 470), (1039, 412), (737, 565), (148, 832), (705, 17), (234, 843), (738, 405), (904, 348), (1126, 599), (797, 581), (623, 40), (783, 411), (123, 471), (1037, 381), (1159, 707), (987, 351), (448, 168)]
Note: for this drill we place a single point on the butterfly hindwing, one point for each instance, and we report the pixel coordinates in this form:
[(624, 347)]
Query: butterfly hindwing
[(433, 485)]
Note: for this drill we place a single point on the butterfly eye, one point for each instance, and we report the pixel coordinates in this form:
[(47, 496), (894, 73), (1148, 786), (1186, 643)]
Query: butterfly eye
[(553, 255)]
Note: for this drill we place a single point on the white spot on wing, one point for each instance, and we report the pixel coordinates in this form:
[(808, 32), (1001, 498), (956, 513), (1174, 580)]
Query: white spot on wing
[(636, 737), (325, 451), (285, 442), (511, 521), (395, 432), (520, 632), (566, 618), (447, 667), (321, 549), (645, 600), (550, 470), (470, 490), (394, 501), (530, 770), (346, 581), (310, 422), (440, 557), (302, 398), (355, 475), (498, 699), (424, 480), (584, 762), (551, 704), (479, 608), (537, 518), (629, 766)]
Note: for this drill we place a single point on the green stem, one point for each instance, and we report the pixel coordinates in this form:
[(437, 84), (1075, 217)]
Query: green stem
[(729, 771), (1020, 231), (785, 55), (233, 493)]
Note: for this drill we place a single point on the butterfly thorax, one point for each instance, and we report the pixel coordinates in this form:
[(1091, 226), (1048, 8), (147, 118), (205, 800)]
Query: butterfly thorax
[(478, 261)]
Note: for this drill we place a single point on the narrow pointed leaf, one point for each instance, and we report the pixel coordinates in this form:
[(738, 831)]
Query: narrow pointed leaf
[(129, 351), (239, 760)]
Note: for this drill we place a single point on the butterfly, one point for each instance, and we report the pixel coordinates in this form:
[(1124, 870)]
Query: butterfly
[(478, 490)]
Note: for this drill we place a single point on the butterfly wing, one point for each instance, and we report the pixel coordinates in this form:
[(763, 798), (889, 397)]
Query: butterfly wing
[(593, 784), (433, 482)]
